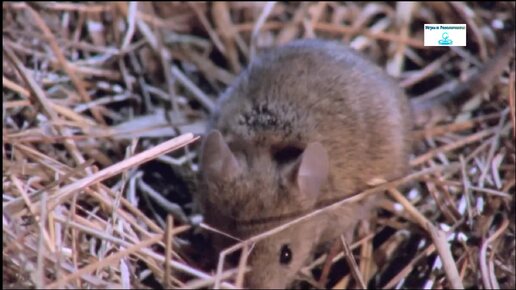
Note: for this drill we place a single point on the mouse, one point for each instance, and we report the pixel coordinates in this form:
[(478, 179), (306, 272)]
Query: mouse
[(306, 123)]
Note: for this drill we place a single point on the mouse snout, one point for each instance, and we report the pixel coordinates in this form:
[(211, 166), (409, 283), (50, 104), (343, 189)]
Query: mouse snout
[(275, 261), (259, 281), (273, 264)]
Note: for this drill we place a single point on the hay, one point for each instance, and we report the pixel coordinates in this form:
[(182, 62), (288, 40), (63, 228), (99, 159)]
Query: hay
[(94, 92)]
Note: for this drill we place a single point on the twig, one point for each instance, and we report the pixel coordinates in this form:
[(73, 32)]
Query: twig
[(468, 16), (453, 127), (196, 92), (486, 279), (493, 192), (466, 185), (46, 104), (267, 9), (376, 35), (79, 85), (494, 145), (107, 261), (438, 237), (115, 169), (40, 271), (512, 102), (211, 32), (168, 249), (33, 210), (169, 206), (131, 20), (409, 267), (242, 265), (352, 264), (452, 146), (404, 13)]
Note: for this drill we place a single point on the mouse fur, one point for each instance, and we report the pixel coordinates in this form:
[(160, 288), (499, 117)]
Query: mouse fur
[(305, 123)]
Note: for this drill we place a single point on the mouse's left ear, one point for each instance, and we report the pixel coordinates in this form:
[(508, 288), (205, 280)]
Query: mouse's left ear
[(313, 170), (217, 160)]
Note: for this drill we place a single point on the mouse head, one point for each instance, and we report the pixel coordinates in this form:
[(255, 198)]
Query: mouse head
[(247, 189), (276, 260)]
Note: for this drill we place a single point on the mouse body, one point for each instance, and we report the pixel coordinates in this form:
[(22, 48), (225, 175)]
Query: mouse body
[(304, 124)]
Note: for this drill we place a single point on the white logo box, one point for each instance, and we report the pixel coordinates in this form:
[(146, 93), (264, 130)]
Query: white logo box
[(445, 35)]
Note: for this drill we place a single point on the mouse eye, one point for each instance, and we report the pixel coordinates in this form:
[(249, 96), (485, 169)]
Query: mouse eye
[(287, 154), (285, 255)]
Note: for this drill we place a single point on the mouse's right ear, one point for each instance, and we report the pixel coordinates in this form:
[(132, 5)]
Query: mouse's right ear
[(217, 160), (313, 170)]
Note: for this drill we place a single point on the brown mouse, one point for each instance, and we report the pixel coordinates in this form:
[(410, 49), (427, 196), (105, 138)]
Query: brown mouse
[(306, 123)]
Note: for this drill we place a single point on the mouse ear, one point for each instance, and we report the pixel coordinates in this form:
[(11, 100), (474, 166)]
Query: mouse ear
[(217, 160), (313, 170)]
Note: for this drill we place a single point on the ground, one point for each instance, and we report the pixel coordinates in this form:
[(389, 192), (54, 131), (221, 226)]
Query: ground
[(89, 85)]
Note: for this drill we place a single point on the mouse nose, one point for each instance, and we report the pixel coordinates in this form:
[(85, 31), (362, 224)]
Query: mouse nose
[(251, 282), (265, 281)]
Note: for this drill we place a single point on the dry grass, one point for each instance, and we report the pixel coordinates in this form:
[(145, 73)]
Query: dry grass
[(91, 92)]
